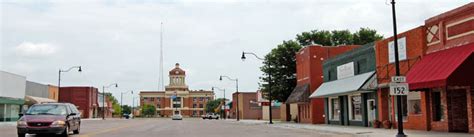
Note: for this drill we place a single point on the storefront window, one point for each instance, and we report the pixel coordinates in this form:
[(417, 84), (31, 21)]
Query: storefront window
[(404, 107), (335, 109), (414, 100), (355, 103)]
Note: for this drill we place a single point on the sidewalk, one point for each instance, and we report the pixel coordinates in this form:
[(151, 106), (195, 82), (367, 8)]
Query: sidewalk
[(354, 130), (7, 124)]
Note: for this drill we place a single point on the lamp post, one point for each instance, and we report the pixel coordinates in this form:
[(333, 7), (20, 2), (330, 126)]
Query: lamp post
[(237, 91), (121, 105), (397, 73), (223, 101), (103, 98), (79, 69), (269, 84), (133, 104)]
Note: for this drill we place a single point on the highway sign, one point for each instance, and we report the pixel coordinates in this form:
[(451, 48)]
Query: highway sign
[(399, 79), (397, 89)]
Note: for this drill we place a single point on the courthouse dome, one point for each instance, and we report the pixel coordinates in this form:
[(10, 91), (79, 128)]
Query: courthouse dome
[(177, 70)]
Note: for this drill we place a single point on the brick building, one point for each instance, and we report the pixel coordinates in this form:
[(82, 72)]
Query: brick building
[(189, 103), (437, 60), (309, 75), (85, 99), (249, 107), (411, 49), (444, 76), (349, 88)]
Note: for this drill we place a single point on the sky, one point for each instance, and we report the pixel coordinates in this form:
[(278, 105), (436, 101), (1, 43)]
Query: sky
[(118, 41)]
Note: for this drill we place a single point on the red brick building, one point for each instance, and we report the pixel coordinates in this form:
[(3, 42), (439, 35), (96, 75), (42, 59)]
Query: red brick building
[(85, 99), (309, 75), (177, 98), (445, 75), (249, 107), (413, 43), (437, 60)]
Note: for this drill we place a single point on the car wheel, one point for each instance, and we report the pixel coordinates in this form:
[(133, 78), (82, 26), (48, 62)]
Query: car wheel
[(77, 130), (66, 132), (21, 134)]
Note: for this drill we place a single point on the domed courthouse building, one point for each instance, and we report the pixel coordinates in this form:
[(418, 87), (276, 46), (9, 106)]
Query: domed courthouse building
[(177, 98)]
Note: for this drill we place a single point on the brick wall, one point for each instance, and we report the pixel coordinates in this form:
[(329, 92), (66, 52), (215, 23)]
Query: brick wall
[(450, 29)]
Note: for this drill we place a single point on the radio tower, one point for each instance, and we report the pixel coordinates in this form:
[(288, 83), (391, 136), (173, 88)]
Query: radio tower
[(160, 79)]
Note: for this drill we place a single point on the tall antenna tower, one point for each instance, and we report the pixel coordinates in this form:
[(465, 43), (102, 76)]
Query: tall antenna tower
[(161, 83)]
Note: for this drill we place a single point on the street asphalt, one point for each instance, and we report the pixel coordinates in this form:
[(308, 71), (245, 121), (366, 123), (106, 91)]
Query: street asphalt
[(188, 127)]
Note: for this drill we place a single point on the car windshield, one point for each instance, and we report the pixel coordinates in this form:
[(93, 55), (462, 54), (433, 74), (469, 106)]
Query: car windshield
[(47, 110)]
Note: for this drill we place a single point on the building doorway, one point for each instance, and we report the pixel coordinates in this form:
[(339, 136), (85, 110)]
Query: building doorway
[(371, 109), (177, 112), (458, 121)]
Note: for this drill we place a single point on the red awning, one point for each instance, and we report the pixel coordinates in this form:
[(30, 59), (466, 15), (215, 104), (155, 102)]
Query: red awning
[(434, 69)]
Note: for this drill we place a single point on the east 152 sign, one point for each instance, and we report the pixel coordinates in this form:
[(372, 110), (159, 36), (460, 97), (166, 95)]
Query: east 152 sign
[(399, 89)]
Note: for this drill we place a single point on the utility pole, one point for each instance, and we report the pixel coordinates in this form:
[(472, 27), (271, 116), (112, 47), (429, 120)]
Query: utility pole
[(397, 71)]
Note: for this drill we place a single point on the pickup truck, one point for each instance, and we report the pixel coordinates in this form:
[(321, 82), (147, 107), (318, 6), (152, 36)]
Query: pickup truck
[(210, 116)]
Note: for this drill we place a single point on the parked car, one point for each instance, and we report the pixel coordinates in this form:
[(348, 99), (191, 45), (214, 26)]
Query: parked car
[(50, 118), (177, 117), (210, 116)]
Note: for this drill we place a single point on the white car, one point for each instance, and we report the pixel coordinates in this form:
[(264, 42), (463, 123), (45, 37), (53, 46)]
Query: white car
[(177, 117), (210, 116)]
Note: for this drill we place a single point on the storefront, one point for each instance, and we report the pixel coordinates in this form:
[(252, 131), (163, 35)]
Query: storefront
[(447, 78), (12, 93), (349, 88)]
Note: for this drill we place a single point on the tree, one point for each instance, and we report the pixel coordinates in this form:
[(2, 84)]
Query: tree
[(366, 35), (281, 63), (338, 37), (213, 105), (127, 109), (148, 110), (115, 104)]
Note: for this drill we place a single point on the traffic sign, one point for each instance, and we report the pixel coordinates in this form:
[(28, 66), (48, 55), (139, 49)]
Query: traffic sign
[(399, 89), (399, 79)]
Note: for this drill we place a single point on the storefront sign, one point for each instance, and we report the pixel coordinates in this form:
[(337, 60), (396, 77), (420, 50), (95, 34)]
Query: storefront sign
[(397, 89), (402, 52), (346, 70)]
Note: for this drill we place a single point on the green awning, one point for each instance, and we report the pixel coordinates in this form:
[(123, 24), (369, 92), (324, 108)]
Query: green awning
[(6, 100), (357, 84)]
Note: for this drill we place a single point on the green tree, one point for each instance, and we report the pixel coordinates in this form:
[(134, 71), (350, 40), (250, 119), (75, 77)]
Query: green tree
[(281, 63), (148, 110), (127, 109), (212, 105), (341, 37), (115, 104), (338, 37), (366, 35)]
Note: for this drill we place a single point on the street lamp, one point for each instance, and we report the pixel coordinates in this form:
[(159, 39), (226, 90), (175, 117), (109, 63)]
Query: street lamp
[(237, 91), (269, 84), (133, 104), (121, 105), (397, 73), (103, 98), (224, 98), (67, 70)]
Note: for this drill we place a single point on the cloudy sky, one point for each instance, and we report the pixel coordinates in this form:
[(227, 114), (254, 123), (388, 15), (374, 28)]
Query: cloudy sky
[(118, 40)]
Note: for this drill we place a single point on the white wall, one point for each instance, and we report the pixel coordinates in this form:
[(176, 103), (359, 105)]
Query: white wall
[(12, 85)]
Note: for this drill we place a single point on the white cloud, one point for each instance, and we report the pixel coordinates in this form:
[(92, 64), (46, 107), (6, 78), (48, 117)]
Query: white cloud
[(30, 49)]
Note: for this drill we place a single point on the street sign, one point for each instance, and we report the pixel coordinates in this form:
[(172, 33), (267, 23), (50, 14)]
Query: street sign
[(399, 89), (399, 79), (173, 97)]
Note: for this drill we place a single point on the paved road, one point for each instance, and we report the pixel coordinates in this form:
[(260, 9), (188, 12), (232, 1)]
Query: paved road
[(185, 128)]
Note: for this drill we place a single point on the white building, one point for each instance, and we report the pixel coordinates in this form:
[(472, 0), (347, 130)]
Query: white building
[(12, 94)]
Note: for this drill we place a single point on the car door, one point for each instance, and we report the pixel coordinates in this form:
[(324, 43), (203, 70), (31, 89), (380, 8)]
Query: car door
[(76, 118), (70, 118)]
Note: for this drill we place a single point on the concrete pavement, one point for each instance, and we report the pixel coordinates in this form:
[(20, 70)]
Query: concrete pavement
[(188, 127)]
